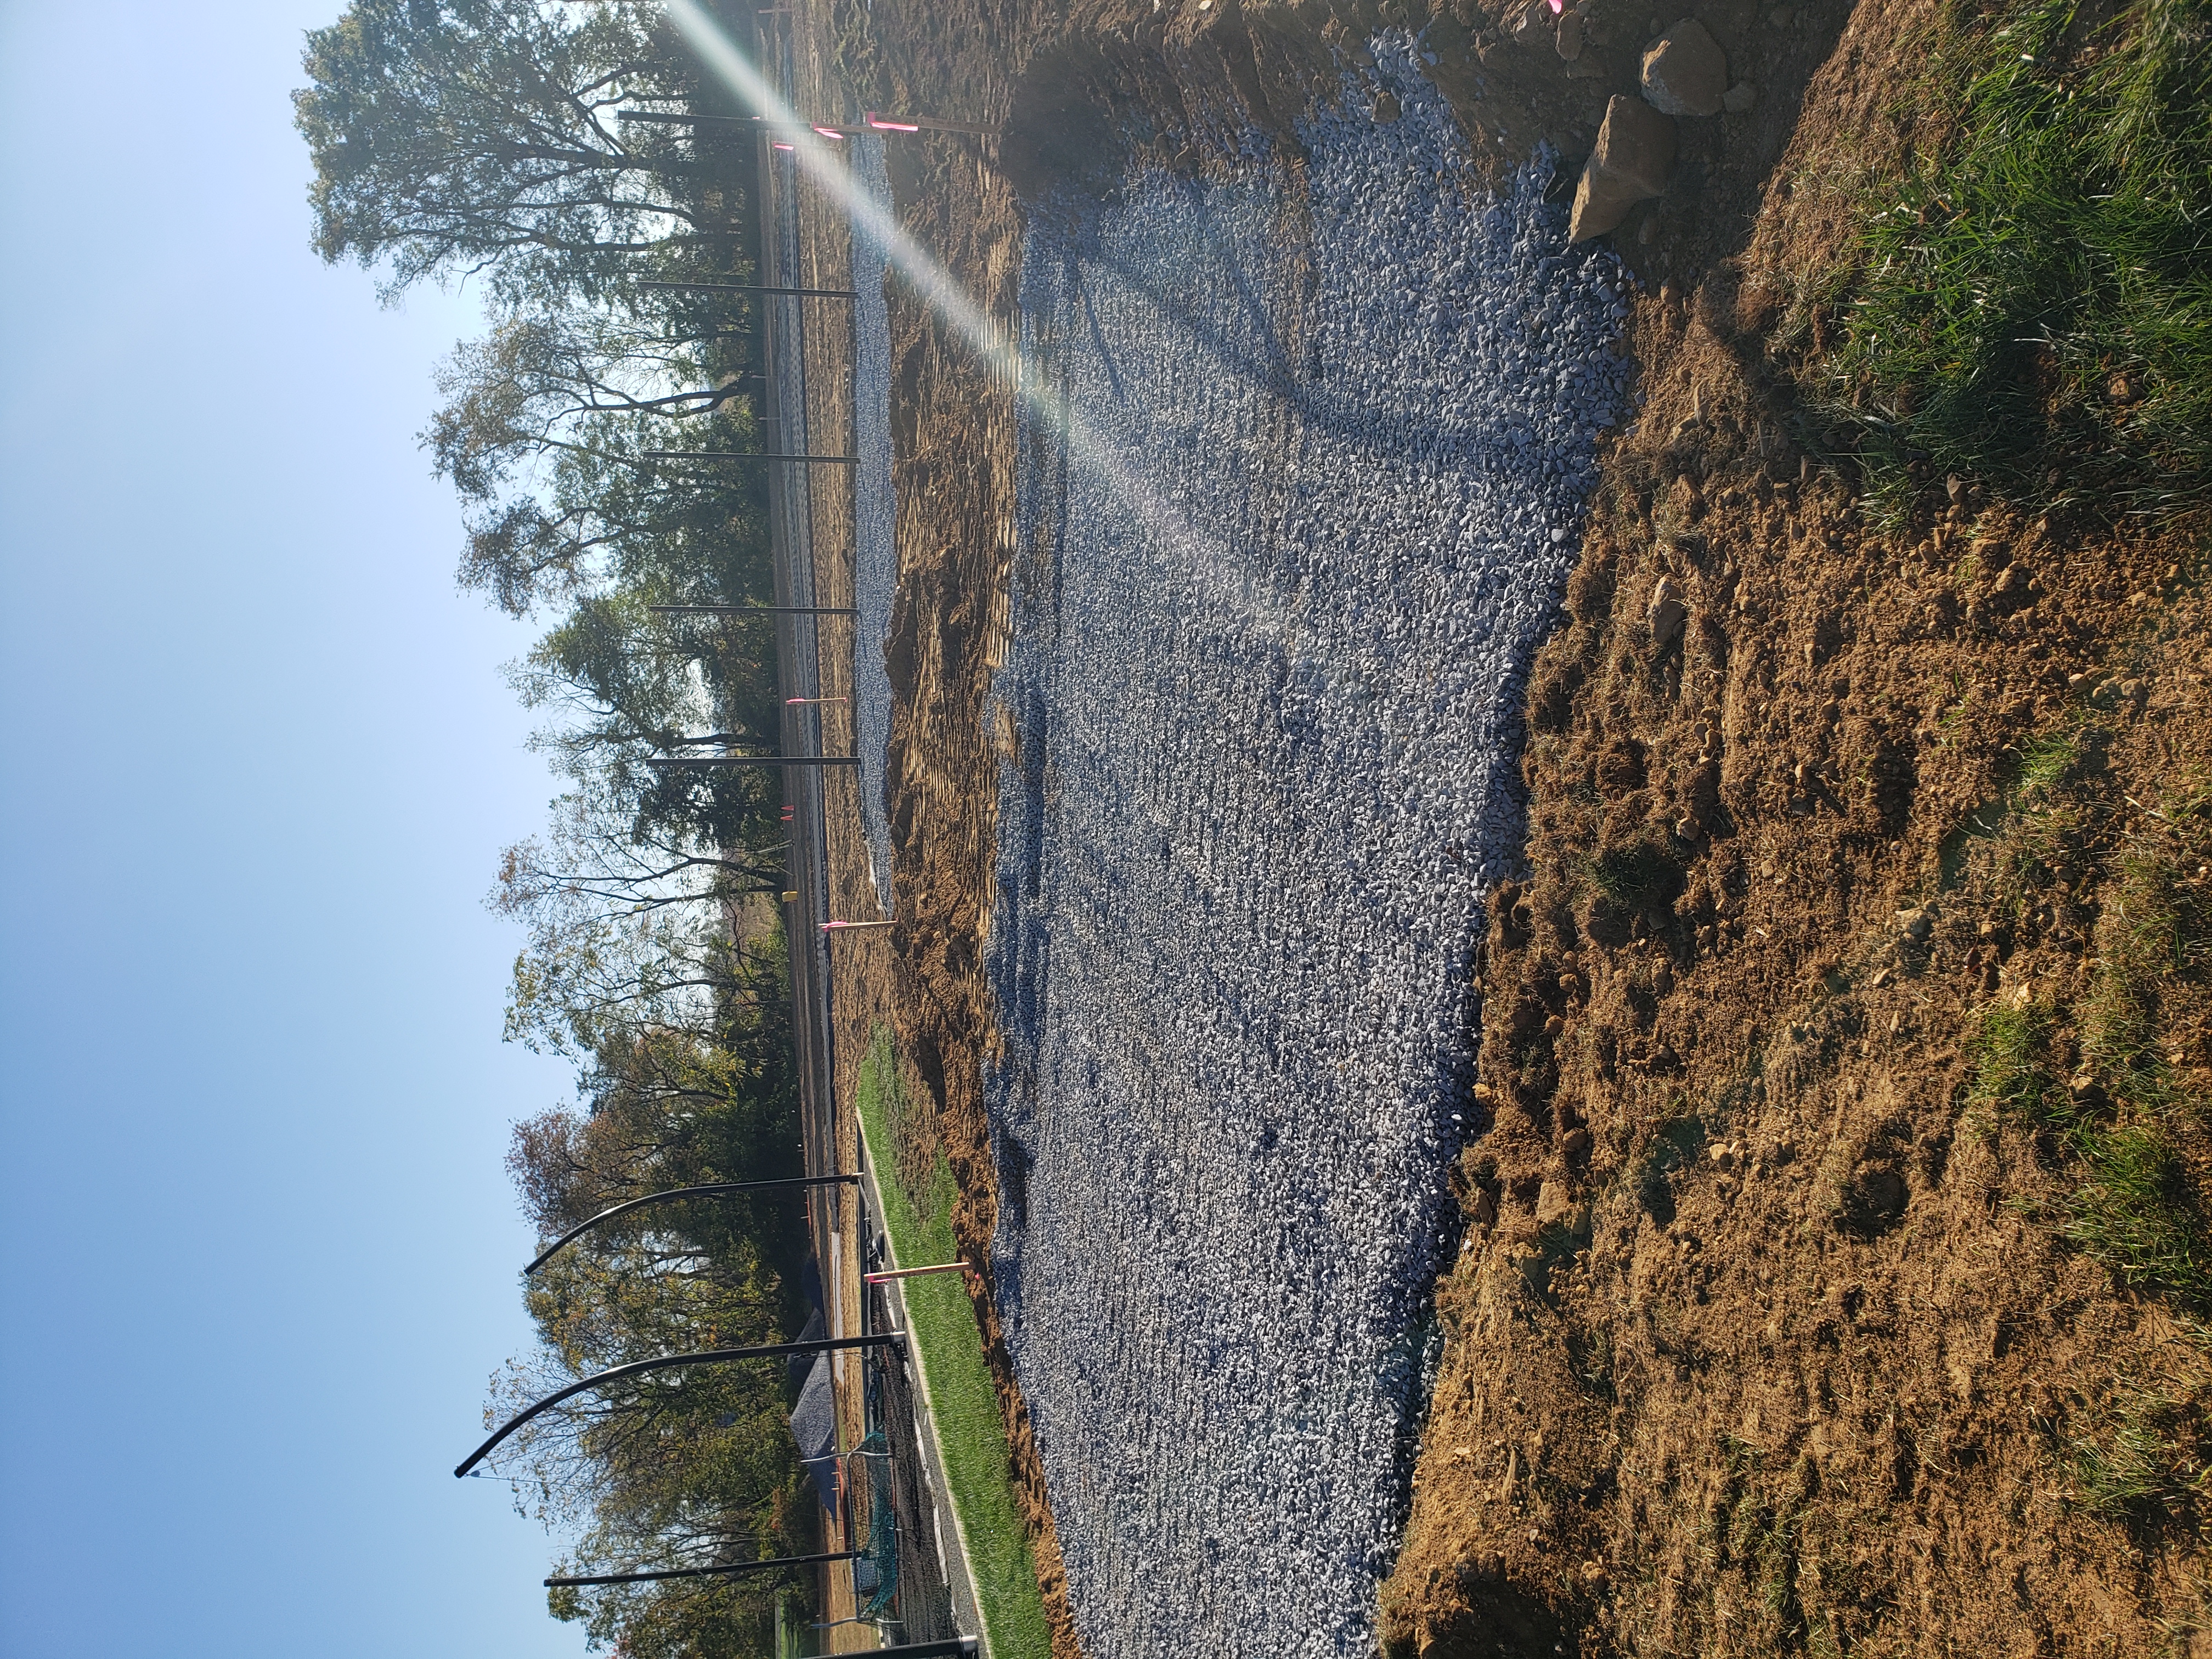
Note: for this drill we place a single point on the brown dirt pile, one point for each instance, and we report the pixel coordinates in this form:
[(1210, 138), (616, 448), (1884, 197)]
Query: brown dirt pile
[(1786, 1323)]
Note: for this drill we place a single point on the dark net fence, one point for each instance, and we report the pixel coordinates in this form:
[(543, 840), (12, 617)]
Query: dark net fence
[(916, 1580)]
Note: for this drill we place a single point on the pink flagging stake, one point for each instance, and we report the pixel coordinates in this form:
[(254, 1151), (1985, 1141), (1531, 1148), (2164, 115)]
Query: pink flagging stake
[(840, 926), (831, 132), (882, 125), (789, 701), (915, 1273)]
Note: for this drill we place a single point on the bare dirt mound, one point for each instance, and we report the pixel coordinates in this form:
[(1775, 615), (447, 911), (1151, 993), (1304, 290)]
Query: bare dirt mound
[(1812, 1304)]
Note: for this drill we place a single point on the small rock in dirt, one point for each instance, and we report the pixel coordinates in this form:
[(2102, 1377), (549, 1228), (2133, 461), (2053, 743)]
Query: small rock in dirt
[(1917, 923), (1569, 36), (1686, 73), (1553, 1203), (1634, 152), (1666, 611), (1722, 1156), (1529, 23), (1386, 108), (1739, 98), (1576, 1145)]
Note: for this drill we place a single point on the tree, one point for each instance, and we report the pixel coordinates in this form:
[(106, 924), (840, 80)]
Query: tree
[(545, 433), (672, 1470), (478, 135)]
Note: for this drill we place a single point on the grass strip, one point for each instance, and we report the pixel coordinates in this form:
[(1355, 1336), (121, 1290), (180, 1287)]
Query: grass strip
[(2037, 303), (970, 1430)]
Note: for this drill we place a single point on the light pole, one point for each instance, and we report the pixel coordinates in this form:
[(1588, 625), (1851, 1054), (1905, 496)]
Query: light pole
[(758, 287), (671, 1362), (699, 1572), (753, 609), (753, 760), (747, 455), (711, 1189)]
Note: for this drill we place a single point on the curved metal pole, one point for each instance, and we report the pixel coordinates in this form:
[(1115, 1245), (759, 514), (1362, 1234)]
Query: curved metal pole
[(703, 1572), (671, 1362), (712, 1189)]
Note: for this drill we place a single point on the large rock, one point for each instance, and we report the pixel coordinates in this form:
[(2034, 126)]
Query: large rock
[(1530, 22), (1635, 149), (1685, 71)]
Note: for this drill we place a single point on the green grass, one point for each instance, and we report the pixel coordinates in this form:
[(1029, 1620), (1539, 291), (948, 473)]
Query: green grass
[(970, 1430), (2036, 297), (2148, 1469), (2105, 1076)]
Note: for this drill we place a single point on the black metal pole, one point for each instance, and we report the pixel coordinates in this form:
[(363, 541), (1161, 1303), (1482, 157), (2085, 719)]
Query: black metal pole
[(745, 455), (701, 1572), (726, 739), (753, 609), (711, 1189), (671, 1362), (758, 287), (903, 124), (755, 760)]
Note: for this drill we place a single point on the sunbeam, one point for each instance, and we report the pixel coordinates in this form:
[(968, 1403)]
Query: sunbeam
[(935, 285)]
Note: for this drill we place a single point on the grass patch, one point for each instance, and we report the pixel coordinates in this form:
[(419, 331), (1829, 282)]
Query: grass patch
[(970, 1428), (2113, 1078), (2149, 1469), (2035, 304)]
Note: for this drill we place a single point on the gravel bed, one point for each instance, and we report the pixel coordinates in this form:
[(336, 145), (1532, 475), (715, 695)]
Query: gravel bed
[(875, 545), (1285, 565)]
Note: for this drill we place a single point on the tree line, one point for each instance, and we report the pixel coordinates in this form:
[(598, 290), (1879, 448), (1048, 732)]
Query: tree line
[(479, 142)]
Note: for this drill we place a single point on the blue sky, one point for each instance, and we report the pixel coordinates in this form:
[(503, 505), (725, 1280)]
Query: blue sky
[(258, 1254)]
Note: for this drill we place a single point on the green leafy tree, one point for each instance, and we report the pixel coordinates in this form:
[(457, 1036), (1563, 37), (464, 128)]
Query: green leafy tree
[(464, 137), (546, 433), (672, 1470)]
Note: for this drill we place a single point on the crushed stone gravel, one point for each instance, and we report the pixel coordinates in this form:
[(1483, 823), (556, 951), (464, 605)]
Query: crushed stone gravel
[(1319, 480)]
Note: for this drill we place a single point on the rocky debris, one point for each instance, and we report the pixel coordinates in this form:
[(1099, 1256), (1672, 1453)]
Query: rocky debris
[(1684, 72), (1666, 613), (1570, 35), (1634, 152), (1531, 23), (1917, 922), (1739, 98), (1175, 1150)]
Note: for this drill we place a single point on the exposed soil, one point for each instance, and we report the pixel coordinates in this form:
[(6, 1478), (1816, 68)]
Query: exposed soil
[(1764, 1339)]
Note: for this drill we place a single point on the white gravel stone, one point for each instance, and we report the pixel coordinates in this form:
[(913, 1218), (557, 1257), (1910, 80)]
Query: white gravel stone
[(1283, 577)]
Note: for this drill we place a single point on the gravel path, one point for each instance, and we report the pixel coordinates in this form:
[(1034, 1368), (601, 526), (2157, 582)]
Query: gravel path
[(1323, 479)]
